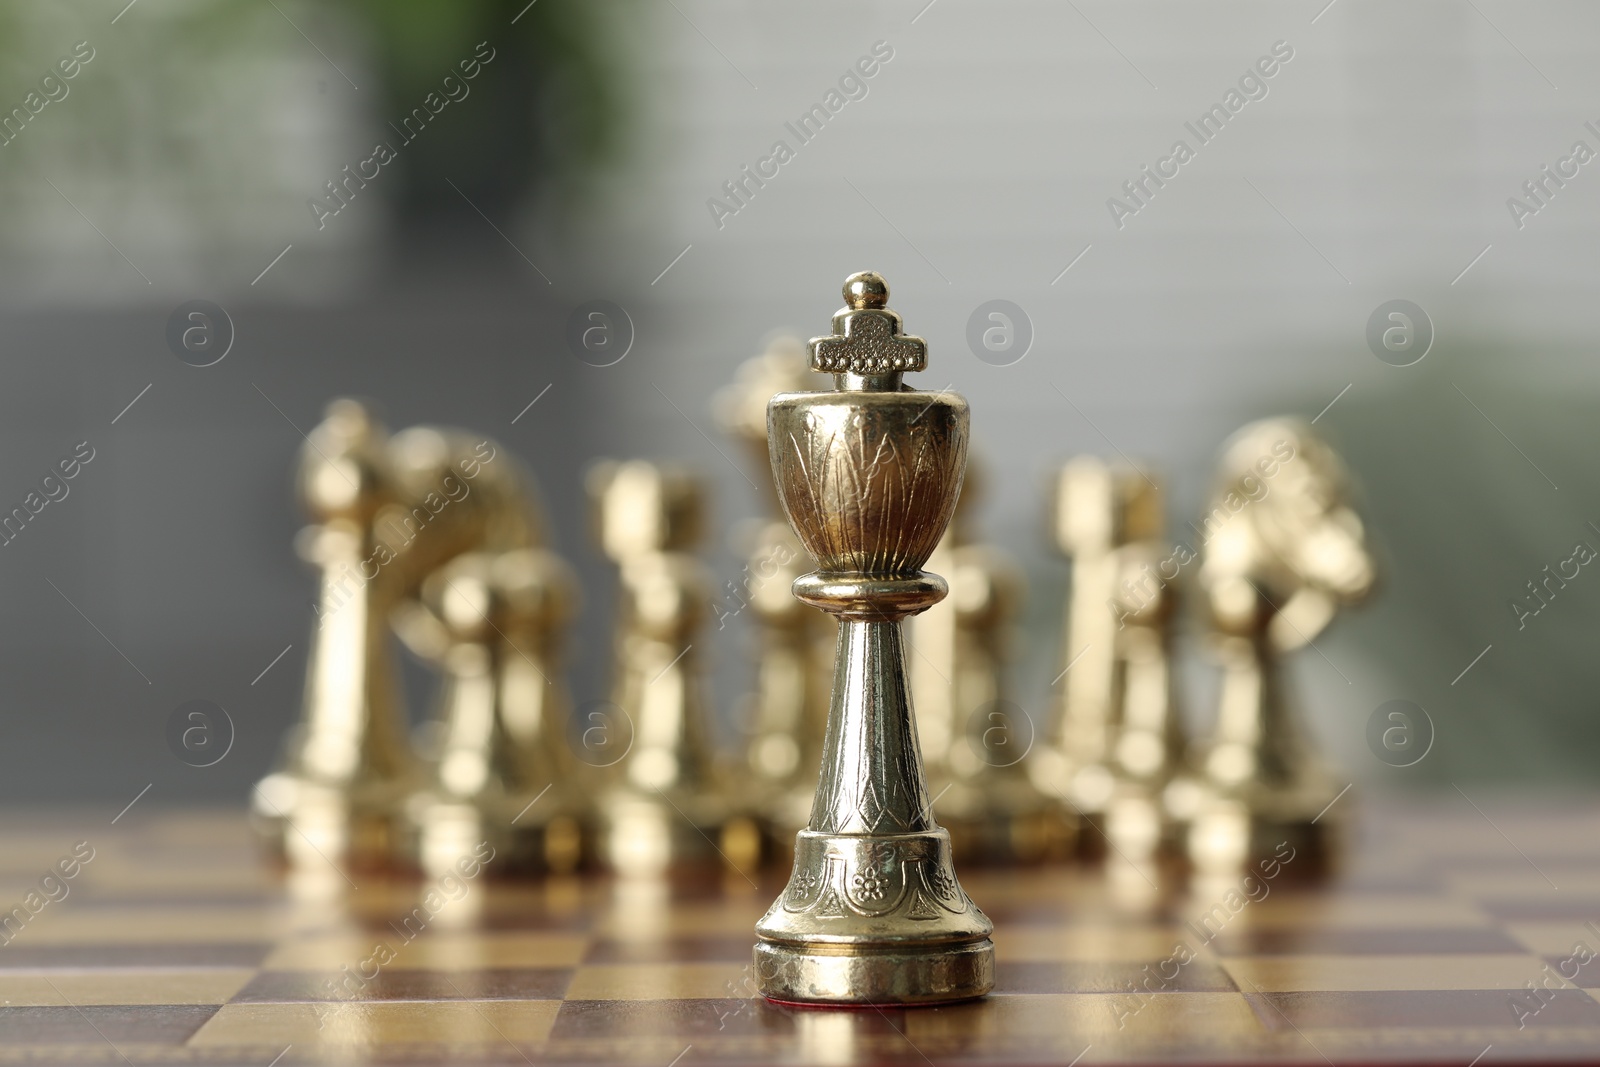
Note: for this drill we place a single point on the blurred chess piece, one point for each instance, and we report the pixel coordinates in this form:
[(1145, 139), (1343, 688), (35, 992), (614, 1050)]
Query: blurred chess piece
[(1284, 550), (1098, 507), (348, 766), (1152, 795), (786, 716), (664, 809), (869, 473), (504, 773), (459, 490), (973, 738), (386, 512)]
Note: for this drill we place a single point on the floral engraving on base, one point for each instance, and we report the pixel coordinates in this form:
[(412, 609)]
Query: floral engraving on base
[(942, 883), (870, 885), (872, 881), (802, 884), (883, 884)]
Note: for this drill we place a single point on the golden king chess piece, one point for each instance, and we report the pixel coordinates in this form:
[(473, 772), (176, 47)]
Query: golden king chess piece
[(869, 475), (973, 738), (349, 767), (665, 809), (504, 772), (786, 716), (1284, 550), (1152, 793), (1098, 506)]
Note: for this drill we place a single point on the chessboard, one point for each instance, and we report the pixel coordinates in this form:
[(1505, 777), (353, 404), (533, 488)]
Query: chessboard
[(1454, 931)]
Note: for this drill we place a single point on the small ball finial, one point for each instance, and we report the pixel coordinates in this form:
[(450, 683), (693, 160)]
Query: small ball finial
[(866, 289)]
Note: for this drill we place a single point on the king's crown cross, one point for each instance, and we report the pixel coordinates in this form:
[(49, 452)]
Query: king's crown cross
[(867, 340)]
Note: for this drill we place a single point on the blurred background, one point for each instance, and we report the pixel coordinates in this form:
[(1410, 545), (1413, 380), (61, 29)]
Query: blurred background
[(188, 158)]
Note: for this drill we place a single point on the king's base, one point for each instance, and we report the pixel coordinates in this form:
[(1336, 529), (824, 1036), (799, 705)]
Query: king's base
[(902, 974)]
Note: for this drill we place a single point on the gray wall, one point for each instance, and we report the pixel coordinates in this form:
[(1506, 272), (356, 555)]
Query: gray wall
[(1377, 167), (977, 167)]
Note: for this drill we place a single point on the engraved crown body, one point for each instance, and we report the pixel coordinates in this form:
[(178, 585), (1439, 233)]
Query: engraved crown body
[(868, 474)]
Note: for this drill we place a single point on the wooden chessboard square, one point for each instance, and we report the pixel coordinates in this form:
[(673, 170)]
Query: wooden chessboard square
[(1538, 876), (432, 952), (346, 1027), (1035, 943), (1405, 1009), (93, 1025), (168, 986), (1378, 879), (85, 923), (1037, 912), (654, 919), (1063, 1024), (497, 918), (1354, 974), (189, 878), (1549, 906), (1086, 976), (692, 948), (1555, 938), (659, 981), (1378, 941), (19, 956), (1384, 877), (1560, 866), (277, 987), (702, 1019), (494, 908), (1584, 975), (1362, 910)]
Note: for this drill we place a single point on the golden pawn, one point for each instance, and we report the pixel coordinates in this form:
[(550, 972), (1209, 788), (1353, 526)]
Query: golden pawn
[(869, 475), (786, 716), (1098, 507), (504, 773), (664, 809), (1284, 551), (974, 739), (1152, 793), (348, 767)]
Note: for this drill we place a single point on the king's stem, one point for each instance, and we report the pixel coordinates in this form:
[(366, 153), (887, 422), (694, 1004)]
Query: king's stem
[(868, 383), (872, 779)]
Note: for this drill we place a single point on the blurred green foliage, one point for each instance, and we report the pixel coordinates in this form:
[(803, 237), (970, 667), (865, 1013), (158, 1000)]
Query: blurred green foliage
[(1459, 458), (188, 93), (555, 103)]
